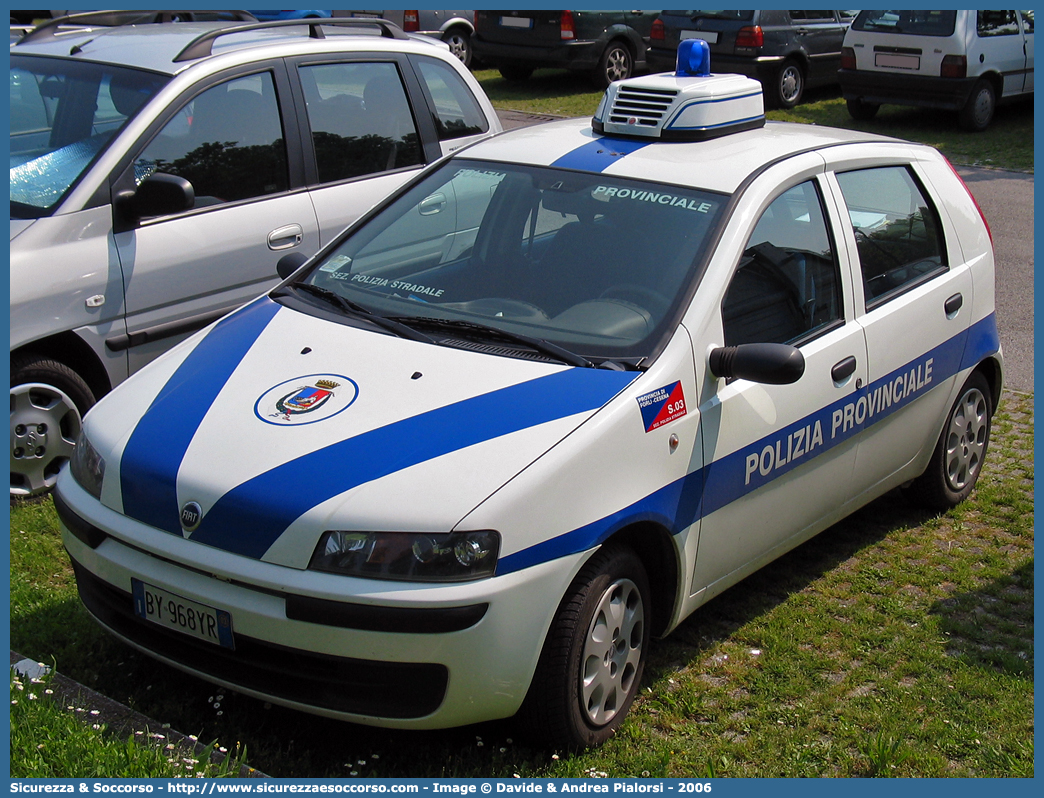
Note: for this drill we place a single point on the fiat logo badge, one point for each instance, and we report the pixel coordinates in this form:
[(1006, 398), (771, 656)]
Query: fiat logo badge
[(191, 515)]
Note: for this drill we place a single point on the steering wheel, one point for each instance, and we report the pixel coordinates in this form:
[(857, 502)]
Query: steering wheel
[(653, 301)]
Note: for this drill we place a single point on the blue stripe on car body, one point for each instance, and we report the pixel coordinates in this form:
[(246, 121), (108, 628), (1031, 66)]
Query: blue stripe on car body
[(600, 154), (680, 504)]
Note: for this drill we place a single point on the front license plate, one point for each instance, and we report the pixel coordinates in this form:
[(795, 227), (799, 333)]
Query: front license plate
[(182, 615), (709, 36), (897, 61), (516, 22)]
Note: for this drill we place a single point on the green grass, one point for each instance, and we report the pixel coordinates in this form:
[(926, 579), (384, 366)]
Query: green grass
[(1006, 144), (895, 643), (52, 741)]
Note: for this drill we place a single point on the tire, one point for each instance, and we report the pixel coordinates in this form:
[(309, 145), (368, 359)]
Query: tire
[(459, 41), (957, 460), (977, 113), (516, 74), (48, 399), (616, 63), (862, 111), (592, 660), (789, 86)]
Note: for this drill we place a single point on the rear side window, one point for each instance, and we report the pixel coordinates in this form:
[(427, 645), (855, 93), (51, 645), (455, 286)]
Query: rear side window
[(919, 23), (456, 112), (897, 231), (360, 119), (786, 288), (1027, 20), (996, 23)]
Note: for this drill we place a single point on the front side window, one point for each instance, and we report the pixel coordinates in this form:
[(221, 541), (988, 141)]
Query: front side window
[(227, 142), (590, 262), (360, 119), (786, 287), (897, 231), (63, 114), (457, 113)]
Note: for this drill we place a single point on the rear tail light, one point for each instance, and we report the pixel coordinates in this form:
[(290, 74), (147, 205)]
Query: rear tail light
[(568, 26), (954, 66), (975, 201), (658, 33), (750, 36), (848, 58), (411, 21)]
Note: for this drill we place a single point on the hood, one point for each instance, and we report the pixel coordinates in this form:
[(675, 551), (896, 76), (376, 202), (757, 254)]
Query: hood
[(276, 425), (19, 226)]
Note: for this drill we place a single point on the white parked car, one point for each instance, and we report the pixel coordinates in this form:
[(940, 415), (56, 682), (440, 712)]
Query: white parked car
[(539, 406), (159, 171), (965, 61)]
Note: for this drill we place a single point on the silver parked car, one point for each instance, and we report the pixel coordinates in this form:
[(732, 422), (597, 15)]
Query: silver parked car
[(158, 172), (452, 27)]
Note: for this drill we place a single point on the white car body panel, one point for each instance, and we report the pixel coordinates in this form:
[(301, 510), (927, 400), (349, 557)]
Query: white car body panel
[(408, 436)]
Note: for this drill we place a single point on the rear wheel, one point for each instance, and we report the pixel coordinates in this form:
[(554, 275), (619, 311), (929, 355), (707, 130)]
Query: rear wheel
[(594, 654), (958, 456), (48, 399), (977, 112), (862, 111), (616, 63), (459, 41), (516, 74), (790, 84)]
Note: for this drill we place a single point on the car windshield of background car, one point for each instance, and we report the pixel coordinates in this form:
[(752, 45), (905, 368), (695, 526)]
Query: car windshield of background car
[(63, 114), (594, 263)]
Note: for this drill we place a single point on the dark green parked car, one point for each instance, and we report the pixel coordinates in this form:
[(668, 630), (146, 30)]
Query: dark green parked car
[(610, 45)]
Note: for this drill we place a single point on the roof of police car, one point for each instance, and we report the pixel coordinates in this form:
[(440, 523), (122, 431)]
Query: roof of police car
[(719, 164), (154, 46)]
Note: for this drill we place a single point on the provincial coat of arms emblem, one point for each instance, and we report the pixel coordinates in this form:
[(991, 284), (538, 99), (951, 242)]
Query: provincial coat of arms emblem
[(305, 400)]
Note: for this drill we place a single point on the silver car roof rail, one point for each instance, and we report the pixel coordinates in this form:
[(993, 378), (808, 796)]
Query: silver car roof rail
[(115, 19), (202, 46)]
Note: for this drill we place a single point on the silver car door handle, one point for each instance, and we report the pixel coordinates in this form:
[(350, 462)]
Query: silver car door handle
[(436, 203), (285, 237)]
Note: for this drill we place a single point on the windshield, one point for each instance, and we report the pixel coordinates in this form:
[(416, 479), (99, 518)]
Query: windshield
[(595, 264), (63, 113), (920, 23)]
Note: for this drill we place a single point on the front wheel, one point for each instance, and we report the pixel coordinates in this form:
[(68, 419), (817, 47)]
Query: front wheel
[(48, 400), (516, 74), (594, 654), (957, 459), (862, 111)]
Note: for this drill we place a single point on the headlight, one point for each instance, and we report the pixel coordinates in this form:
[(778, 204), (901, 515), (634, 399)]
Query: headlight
[(422, 557), (87, 466)]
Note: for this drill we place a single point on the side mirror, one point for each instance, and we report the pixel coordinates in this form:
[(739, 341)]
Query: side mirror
[(290, 263), (159, 194), (772, 364)]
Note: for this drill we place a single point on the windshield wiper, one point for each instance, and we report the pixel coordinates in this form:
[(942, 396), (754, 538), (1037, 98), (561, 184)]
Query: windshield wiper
[(539, 344), (354, 309)]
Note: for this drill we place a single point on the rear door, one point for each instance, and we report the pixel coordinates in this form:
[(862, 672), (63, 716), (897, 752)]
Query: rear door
[(913, 296), (819, 33)]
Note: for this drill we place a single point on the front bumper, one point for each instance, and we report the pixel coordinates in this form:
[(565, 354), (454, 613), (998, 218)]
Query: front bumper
[(394, 654), (922, 91)]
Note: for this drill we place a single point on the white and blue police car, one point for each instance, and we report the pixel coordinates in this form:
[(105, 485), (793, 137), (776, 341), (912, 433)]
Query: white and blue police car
[(540, 405)]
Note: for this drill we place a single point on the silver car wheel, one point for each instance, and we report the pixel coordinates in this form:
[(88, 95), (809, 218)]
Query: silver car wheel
[(459, 45), (44, 426), (617, 65), (966, 439), (612, 651)]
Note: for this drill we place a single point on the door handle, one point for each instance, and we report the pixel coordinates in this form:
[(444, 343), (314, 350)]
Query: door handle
[(953, 304), (285, 237), (436, 203), (843, 370)]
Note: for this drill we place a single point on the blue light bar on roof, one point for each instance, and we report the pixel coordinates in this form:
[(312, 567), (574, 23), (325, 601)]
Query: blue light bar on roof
[(693, 59)]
